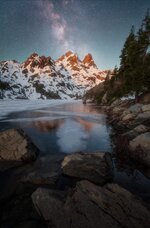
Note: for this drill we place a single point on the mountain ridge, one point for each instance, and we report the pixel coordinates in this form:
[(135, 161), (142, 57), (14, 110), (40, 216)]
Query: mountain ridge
[(42, 77)]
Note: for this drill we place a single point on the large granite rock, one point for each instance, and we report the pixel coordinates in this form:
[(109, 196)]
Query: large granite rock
[(118, 110), (128, 117), (136, 108), (49, 204), (136, 131), (140, 148), (146, 108), (91, 206), (125, 112), (95, 167), (141, 129), (141, 117), (16, 146)]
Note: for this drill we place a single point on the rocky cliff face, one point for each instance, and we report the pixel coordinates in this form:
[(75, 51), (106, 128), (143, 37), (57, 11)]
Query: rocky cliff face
[(42, 77)]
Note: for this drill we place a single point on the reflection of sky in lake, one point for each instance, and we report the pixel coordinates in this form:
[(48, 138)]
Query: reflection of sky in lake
[(72, 136), (79, 135)]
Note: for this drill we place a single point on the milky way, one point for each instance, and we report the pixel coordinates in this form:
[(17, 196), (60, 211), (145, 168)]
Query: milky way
[(52, 27)]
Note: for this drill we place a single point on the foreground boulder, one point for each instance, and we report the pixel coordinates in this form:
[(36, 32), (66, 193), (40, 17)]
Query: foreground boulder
[(140, 148), (95, 167), (91, 206), (45, 170), (16, 146), (49, 204)]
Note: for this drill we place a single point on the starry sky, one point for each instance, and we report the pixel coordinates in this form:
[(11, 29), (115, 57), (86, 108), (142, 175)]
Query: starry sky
[(52, 27)]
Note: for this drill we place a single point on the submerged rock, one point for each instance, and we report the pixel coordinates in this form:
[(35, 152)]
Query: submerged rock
[(140, 148), (95, 167), (15, 145), (91, 206)]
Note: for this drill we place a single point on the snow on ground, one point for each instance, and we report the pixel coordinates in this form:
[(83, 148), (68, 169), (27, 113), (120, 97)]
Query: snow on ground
[(9, 106), (128, 97)]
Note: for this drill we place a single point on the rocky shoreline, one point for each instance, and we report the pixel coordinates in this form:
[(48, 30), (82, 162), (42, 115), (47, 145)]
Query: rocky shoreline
[(131, 129), (76, 190)]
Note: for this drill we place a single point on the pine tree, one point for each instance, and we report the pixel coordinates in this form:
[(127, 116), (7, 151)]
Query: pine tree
[(125, 51), (142, 57), (146, 60), (127, 64), (134, 65)]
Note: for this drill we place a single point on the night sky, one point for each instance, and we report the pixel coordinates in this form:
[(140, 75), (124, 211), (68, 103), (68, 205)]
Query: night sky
[(52, 27)]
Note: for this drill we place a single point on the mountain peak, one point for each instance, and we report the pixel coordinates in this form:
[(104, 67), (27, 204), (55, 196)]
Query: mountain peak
[(35, 60), (68, 53), (34, 54), (69, 59), (88, 60)]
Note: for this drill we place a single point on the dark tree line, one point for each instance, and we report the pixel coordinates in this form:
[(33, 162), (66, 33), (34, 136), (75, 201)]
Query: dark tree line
[(134, 70), (133, 75)]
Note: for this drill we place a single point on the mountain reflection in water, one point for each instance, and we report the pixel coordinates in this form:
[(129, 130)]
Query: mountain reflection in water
[(69, 135)]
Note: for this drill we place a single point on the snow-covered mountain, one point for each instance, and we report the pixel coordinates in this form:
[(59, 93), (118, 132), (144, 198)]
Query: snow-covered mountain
[(42, 77), (84, 73)]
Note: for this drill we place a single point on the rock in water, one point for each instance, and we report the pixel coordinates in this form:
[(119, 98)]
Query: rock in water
[(91, 206), (95, 167), (16, 146)]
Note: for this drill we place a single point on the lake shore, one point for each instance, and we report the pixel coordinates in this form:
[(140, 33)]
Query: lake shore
[(48, 191)]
